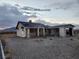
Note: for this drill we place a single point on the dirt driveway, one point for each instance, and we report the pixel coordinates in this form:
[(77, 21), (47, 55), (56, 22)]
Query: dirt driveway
[(44, 48)]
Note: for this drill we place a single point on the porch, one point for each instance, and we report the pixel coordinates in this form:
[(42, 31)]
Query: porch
[(35, 32), (41, 32)]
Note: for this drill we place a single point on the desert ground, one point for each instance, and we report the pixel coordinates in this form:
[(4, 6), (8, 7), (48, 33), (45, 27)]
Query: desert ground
[(44, 48)]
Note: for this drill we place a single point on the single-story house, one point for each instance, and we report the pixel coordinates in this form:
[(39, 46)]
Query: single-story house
[(30, 29)]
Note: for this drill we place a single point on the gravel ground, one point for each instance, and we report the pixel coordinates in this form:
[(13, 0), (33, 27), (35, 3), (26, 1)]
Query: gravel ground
[(44, 48)]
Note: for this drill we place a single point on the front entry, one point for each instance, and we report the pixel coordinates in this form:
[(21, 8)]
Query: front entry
[(69, 32)]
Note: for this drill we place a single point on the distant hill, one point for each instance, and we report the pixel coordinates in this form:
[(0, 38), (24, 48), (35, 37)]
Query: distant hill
[(12, 29)]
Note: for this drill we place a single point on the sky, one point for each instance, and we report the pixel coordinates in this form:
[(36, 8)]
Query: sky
[(47, 11)]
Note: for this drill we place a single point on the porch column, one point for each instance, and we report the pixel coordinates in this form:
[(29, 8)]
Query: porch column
[(38, 32), (43, 31), (72, 32), (28, 33)]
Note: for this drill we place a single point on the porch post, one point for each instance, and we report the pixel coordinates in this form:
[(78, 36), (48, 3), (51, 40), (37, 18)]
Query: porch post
[(28, 32), (43, 31), (72, 32), (38, 32)]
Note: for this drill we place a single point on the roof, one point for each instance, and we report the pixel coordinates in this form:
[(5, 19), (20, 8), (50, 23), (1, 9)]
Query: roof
[(36, 25), (31, 25), (64, 26)]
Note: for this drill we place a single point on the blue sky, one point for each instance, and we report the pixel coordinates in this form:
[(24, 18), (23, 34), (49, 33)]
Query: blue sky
[(60, 11)]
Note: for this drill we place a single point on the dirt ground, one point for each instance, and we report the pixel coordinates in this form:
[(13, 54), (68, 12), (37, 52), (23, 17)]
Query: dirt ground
[(44, 48)]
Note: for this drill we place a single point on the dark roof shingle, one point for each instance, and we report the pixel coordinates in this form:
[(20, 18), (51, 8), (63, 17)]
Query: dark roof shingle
[(31, 25), (35, 25), (64, 26)]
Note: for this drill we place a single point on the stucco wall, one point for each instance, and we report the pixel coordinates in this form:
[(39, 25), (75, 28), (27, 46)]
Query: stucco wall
[(62, 32), (20, 32)]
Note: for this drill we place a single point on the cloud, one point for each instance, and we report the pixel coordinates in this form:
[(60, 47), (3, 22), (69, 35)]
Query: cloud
[(63, 4), (77, 14), (68, 6), (78, 1), (9, 15), (34, 9), (46, 23)]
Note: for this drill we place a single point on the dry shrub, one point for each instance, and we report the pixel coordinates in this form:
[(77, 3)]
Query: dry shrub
[(7, 50), (50, 38), (8, 53), (8, 56)]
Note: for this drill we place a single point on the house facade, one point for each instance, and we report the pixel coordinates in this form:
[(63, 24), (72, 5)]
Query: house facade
[(30, 29)]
